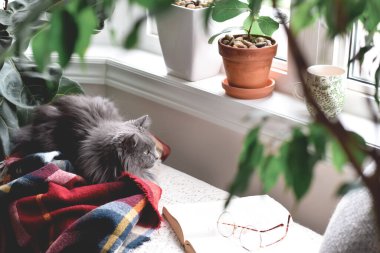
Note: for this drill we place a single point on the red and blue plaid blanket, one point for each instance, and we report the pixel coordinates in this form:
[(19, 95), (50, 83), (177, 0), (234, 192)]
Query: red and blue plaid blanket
[(51, 210)]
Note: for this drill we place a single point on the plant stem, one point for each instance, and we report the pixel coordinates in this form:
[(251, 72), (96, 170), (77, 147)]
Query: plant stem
[(250, 27), (5, 5)]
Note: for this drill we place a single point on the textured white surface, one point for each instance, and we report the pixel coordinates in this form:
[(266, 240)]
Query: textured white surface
[(179, 187), (352, 227)]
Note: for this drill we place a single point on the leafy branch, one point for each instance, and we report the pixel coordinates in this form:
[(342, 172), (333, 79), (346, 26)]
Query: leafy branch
[(298, 156)]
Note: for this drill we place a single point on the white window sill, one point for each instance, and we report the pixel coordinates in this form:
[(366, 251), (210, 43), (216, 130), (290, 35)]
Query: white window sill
[(144, 74)]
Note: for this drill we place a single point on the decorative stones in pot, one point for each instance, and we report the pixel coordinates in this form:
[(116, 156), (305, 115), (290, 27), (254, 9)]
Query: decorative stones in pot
[(247, 61), (183, 40)]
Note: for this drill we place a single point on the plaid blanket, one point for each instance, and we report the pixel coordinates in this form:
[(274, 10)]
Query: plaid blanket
[(51, 210)]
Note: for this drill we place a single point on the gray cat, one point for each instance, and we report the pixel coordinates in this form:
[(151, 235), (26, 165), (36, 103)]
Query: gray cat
[(90, 133)]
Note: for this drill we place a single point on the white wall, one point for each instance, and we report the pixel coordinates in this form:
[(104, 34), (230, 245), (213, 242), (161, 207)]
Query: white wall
[(210, 152)]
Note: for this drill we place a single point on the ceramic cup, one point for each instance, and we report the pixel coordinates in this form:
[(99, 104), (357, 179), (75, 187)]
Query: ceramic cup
[(327, 85)]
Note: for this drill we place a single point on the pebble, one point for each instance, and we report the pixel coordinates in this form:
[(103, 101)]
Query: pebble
[(240, 44), (228, 37), (194, 4), (245, 42), (261, 44), (260, 39), (225, 42)]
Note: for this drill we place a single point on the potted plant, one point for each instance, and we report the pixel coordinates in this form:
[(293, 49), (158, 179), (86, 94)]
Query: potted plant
[(183, 39), (247, 57)]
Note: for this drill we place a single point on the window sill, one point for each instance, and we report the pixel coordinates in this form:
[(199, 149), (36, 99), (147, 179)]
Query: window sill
[(144, 74)]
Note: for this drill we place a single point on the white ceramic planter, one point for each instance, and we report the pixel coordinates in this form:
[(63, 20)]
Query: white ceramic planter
[(183, 40)]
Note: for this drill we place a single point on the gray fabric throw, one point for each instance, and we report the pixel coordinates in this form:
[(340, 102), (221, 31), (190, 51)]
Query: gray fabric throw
[(352, 227)]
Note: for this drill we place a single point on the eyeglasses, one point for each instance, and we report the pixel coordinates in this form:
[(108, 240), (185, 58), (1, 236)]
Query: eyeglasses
[(250, 237)]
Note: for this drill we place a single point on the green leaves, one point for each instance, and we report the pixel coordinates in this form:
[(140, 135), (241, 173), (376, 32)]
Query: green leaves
[(132, 37), (357, 146), (370, 17), (227, 9), (304, 13), (67, 86), (270, 171), (8, 123), (249, 161), (300, 163), (253, 24), (318, 137), (267, 25), (349, 186), (5, 43), (339, 158), (255, 6), (41, 55), (69, 30), (295, 159), (63, 35), (87, 23), (5, 18), (24, 88), (338, 15), (341, 15)]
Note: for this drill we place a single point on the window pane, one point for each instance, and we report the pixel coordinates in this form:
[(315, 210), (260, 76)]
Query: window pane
[(366, 72)]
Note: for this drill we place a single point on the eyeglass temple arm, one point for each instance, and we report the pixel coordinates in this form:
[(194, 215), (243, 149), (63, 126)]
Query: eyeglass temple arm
[(262, 231)]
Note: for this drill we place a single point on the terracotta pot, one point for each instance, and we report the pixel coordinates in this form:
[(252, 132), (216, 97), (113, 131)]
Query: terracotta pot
[(248, 67), (243, 93)]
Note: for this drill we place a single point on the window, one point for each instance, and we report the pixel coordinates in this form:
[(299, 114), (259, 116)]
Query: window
[(366, 72)]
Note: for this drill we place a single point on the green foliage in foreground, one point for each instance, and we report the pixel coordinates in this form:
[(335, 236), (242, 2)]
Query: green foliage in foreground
[(23, 86), (295, 159)]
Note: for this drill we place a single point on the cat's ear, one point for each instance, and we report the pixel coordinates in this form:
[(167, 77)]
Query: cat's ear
[(123, 142), (143, 121), (130, 142)]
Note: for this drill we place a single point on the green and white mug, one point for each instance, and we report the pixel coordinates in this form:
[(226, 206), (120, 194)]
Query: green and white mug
[(327, 86)]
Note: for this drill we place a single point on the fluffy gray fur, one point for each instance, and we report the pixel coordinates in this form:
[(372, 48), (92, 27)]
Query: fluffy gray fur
[(90, 133)]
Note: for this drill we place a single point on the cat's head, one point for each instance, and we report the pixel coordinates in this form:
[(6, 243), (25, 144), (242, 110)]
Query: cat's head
[(136, 148)]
